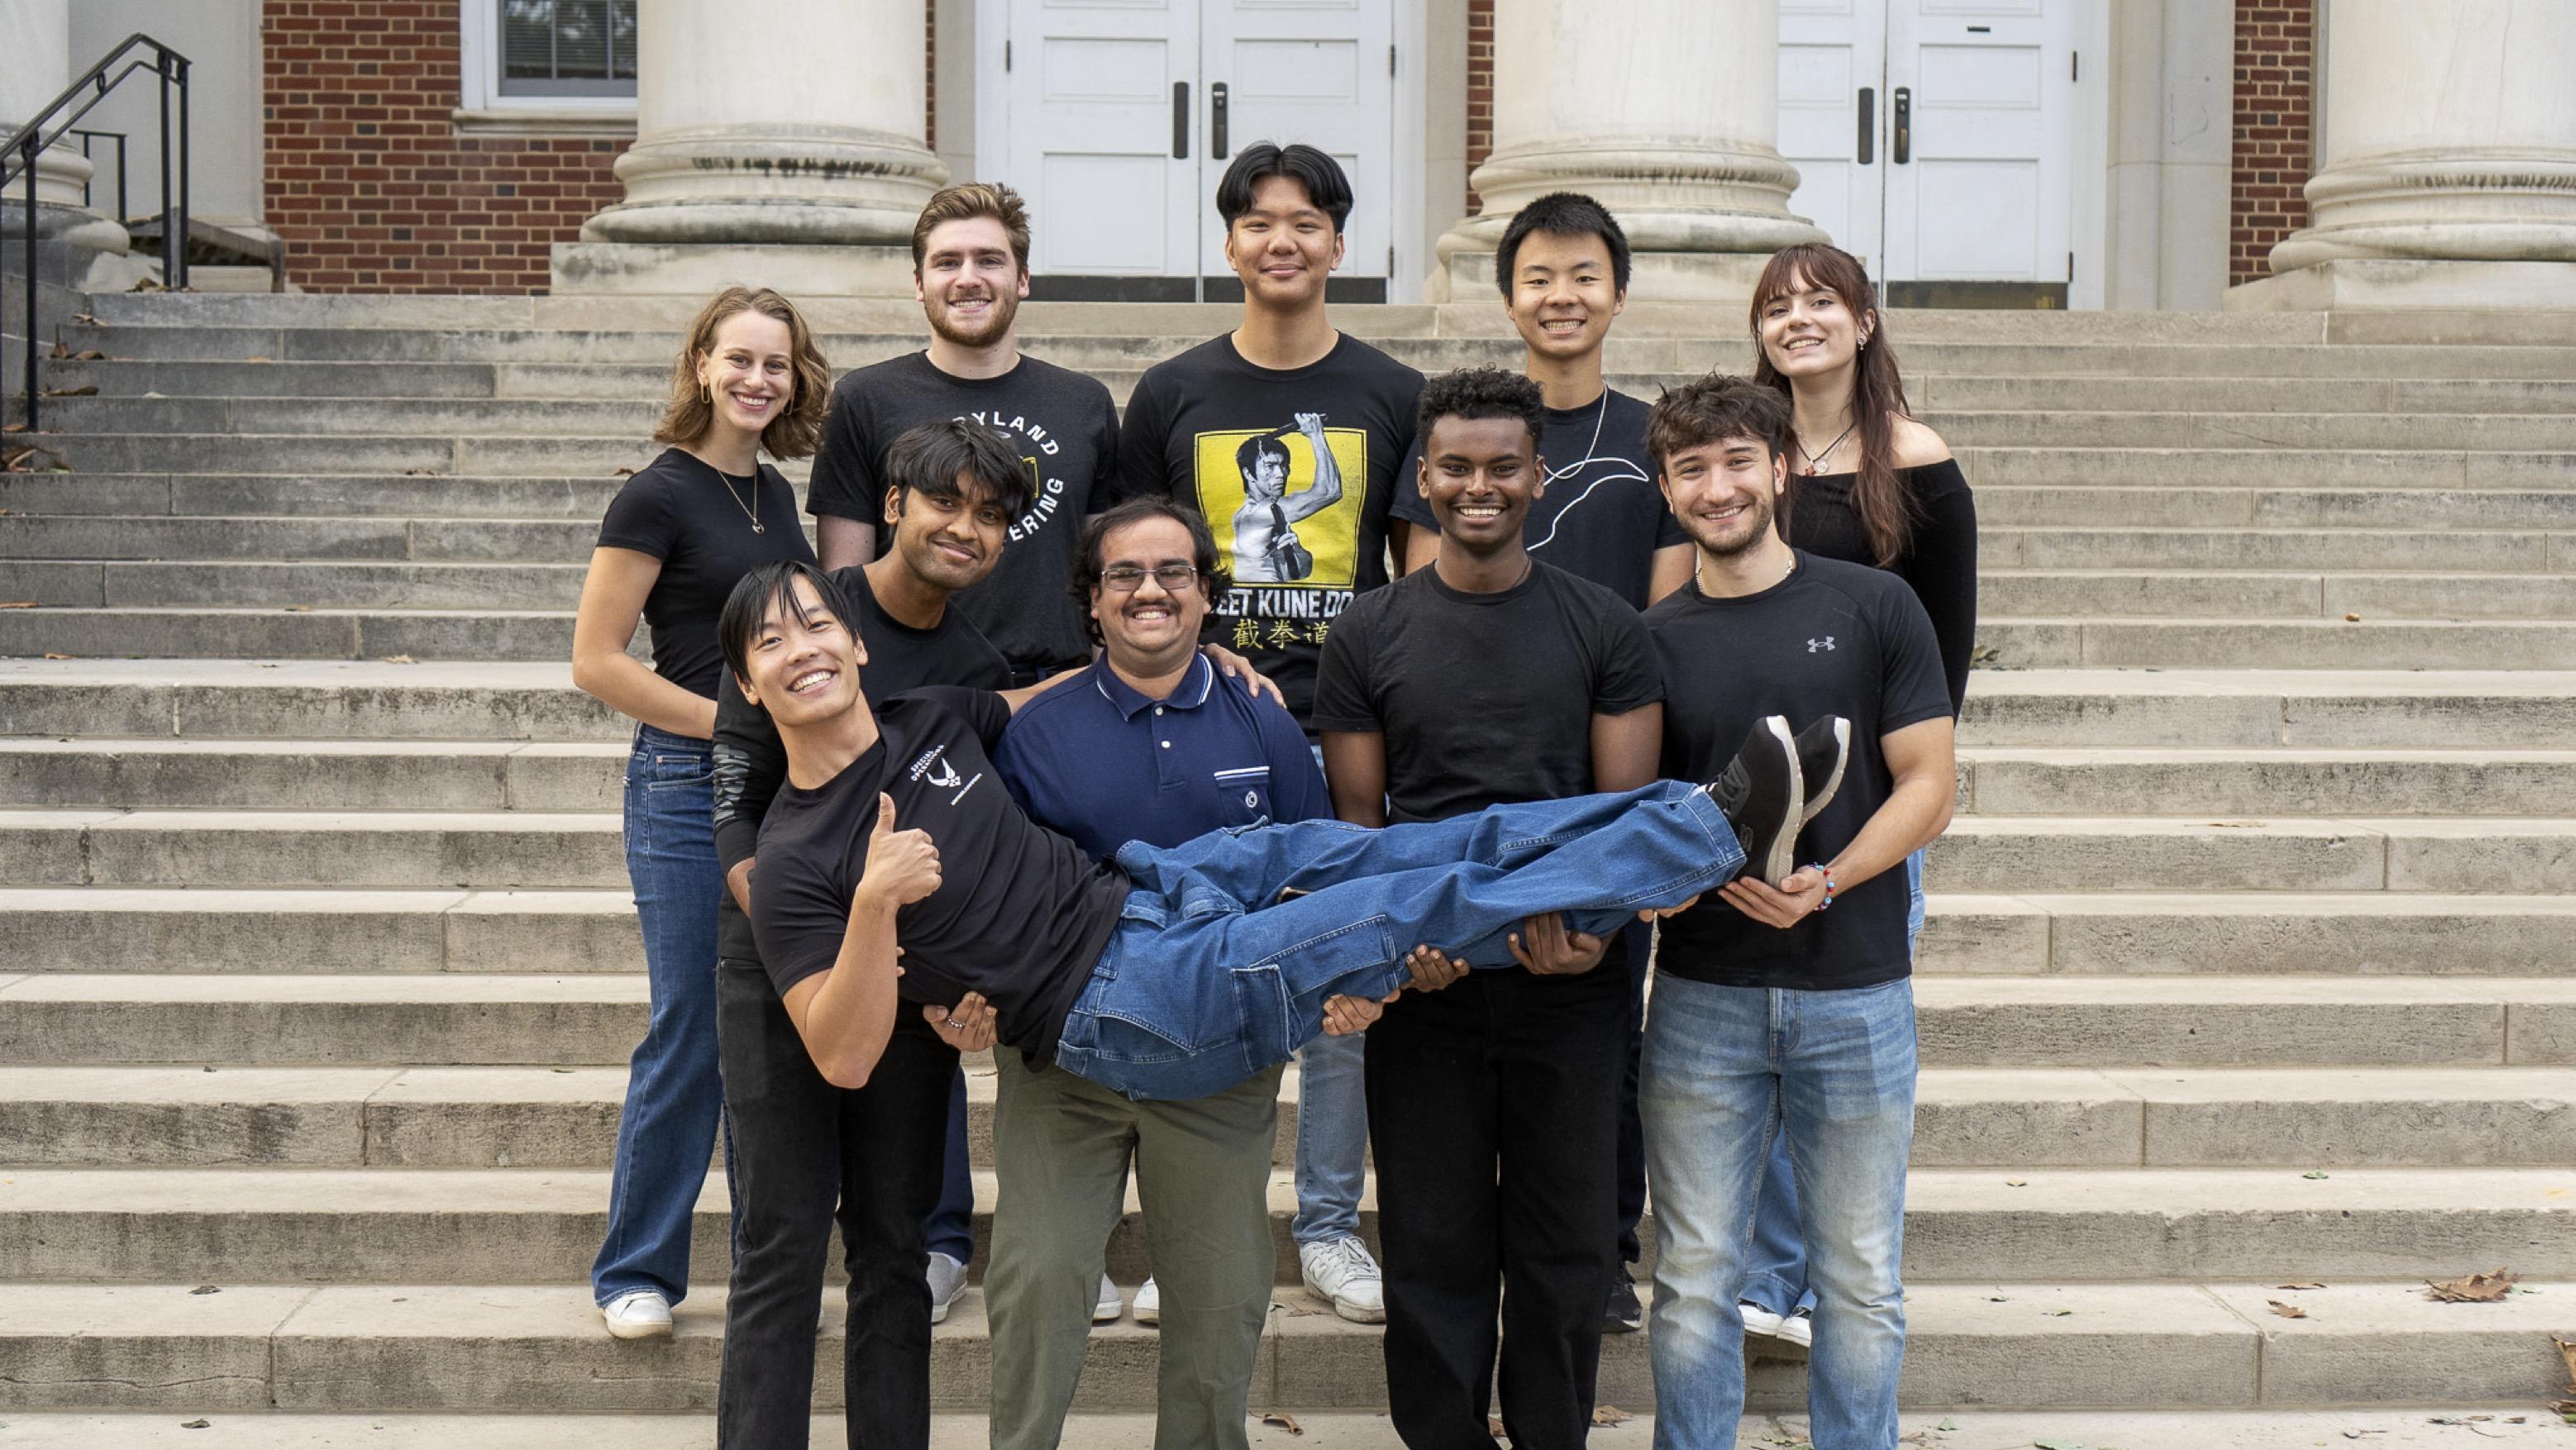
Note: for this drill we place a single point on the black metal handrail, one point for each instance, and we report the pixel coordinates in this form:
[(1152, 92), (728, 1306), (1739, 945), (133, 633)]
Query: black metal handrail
[(18, 159)]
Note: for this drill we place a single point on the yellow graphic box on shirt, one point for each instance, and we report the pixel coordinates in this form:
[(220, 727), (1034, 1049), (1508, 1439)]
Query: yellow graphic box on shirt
[(1285, 505)]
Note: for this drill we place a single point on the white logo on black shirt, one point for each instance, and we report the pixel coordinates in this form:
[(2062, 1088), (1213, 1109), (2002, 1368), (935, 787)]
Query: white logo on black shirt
[(930, 766), (1827, 643)]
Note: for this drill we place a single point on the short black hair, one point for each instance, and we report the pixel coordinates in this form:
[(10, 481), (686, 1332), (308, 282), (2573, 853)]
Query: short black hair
[(1479, 393), (773, 583), (1326, 185), (1249, 453), (928, 459), (1091, 554), (1562, 214)]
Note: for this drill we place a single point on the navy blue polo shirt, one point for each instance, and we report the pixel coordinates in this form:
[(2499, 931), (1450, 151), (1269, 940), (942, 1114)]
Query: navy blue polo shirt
[(1103, 764)]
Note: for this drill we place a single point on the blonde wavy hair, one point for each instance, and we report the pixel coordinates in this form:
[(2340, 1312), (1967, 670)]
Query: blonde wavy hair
[(798, 428)]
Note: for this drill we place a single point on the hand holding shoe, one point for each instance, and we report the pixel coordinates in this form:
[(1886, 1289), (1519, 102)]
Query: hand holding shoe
[(1799, 893)]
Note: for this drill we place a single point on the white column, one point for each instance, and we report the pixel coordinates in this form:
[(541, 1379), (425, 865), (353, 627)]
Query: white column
[(1667, 112), (794, 124), (36, 37), (2447, 176)]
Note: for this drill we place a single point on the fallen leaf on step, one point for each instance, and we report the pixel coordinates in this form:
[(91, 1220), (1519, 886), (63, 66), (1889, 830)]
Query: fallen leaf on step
[(16, 456), (85, 390), (13, 427), (19, 604), (258, 359), (420, 473), (193, 1424), (204, 1289), (1284, 1421), (2238, 825), (49, 654), (400, 660), (1947, 1425), (89, 354), (299, 609), (622, 473), (61, 350), (2352, 619), (2057, 1445), (2298, 1286), (84, 317), (2314, 1173), (2287, 1311), (2059, 1313), (2475, 1289), (1606, 1415), (2016, 1183), (2567, 1352)]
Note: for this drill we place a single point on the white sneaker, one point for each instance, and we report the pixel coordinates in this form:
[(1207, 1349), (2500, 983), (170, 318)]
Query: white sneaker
[(1342, 1272), (638, 1314), (1109, 1305), (1798, 1329), (947, 1281), (1147, 1306)]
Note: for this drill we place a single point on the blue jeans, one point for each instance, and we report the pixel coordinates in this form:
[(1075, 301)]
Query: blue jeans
[(674, 1093), (1779, 1279), (1729, 1072), (1211, 976), (1332, 1132)]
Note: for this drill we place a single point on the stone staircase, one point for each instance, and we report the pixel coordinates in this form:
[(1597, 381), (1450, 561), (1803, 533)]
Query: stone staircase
[(2248, 964)]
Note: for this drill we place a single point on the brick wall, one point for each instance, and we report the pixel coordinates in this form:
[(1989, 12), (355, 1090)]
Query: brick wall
[(1480, 91), (367, 179), (2276, 48)]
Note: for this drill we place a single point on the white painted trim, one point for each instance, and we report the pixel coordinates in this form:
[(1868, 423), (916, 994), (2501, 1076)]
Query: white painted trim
[(480, 106), (992, 89), (2089, 237)]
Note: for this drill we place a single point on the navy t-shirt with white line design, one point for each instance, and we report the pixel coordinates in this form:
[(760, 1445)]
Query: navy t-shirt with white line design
[(1021, 915), (1602, 516), (1105, 764)]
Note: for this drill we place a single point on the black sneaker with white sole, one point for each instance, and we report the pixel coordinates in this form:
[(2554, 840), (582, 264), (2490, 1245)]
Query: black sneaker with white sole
[(1824, 748), (1761, 794)]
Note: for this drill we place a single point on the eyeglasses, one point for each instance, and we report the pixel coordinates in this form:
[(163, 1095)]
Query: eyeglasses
[(1127, 578)]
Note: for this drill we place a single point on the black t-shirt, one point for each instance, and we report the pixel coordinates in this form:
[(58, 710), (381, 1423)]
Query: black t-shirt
[(1602, 516), (751, 764), (697, 521), (1301, 533), (1940, 558), (1833, 638), (1066, 429), (1021, 915)]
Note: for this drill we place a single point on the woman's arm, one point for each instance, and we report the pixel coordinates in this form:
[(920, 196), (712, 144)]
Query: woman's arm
[(612, 602)]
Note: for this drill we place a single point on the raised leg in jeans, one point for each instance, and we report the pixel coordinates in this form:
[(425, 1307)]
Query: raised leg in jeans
[(674, 1108), (810, 1153), (1727, 1069), (1779, 1279)]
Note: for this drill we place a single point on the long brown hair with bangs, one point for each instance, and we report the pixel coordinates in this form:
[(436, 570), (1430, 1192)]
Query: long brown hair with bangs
[(798, 428), (1878, 496)]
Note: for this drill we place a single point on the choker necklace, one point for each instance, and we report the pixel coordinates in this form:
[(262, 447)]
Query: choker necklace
[(1813, 459)]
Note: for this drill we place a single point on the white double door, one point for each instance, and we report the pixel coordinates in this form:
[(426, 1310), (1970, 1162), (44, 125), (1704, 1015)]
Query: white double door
[(1935, 139), (1118, 117)]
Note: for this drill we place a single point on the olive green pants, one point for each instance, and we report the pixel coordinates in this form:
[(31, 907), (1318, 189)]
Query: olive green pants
[(1202, 1175)]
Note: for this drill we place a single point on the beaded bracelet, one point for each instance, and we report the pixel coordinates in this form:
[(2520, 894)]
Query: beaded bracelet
[(1826, 872)]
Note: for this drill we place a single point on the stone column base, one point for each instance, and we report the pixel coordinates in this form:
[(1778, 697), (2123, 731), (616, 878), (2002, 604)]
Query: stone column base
[(1721, 278), (585, 269), (2388, 283)]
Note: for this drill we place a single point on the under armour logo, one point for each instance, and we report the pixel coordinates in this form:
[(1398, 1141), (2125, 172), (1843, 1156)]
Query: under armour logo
[(1814, 645)]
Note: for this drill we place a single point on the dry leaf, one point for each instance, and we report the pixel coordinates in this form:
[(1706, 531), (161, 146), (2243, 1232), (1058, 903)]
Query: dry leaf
[(2352, 619), (61, 351), (2298, 1286), (1284, 1421), (85, 390), (2567, 1352), (622, 473), (2475, 1289), (13, 427), (49, 654), (2314, 1173), (400, 660), (2287, 1311), (183, 1424), (258, 359), (420, 473), (84, 317), (16, 456), (299, 609), (1610, 1415), (2016, 1183), (205, 1289), (19, 604)]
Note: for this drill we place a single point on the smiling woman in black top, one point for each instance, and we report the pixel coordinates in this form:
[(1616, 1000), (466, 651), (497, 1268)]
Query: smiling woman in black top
[(677, 536)]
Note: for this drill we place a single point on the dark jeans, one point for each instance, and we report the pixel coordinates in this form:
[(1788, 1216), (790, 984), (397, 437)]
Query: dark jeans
[(806, 1152), (1518, 1073), (1632, 1132)]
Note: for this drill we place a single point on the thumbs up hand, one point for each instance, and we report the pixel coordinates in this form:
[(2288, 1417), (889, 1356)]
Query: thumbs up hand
[(902, 866)]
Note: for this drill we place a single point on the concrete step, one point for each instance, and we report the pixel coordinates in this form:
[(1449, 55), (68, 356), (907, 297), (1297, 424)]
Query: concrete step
[(2261, 464), (2445, 1428), (2432, 513), (525, 1018), (351, 699), (2171, 782), (527, 1117), (320, 584), (576, 502), (1983, 1225), (2218, 389), (331, 775), (315, 848), (2005, 853), (2480, 553), (2042, 427), (2330, 643), (370, 537), (2165, 594), (2365, 933), (323, 931), (209, 632)]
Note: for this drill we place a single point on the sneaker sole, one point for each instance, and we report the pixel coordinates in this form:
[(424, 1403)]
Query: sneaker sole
[(1773, 859), (639, 1331), (1816, 798), (1356, 1316)]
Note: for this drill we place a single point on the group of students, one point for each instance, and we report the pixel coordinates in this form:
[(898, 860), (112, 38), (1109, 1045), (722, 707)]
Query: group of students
[(1113, 746)]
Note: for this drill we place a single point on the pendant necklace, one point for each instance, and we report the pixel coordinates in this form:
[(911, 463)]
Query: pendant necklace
[(1815, 459), (751, 510)]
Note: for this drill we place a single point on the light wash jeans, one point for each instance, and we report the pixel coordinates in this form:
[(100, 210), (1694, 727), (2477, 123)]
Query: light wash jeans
[(1212, 976), (1332, 1133), (1779, 1279), (674, 1092), (1729, 1072)]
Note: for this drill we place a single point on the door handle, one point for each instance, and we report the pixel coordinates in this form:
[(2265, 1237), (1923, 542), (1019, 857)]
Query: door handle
[(1904, 120), (1866, 149), (1217, 148), (1180, 120)]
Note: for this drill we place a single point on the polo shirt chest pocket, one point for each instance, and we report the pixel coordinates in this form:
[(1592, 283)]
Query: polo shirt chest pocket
[(1242, 797)]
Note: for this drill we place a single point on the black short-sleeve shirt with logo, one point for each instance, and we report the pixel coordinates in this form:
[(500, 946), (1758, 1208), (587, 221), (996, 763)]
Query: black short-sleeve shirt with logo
[(1293, 469), (1066, 429), (1833, 638), (698, 522), (1021, 915)]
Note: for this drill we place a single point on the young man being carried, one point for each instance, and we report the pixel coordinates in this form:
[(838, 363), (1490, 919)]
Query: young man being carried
[(1285, 435), (1490, 677), (1149, 743), (1771, 1014), (1562, 267)]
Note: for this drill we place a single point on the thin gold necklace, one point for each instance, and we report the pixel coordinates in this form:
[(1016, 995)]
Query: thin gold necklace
[(750, 510)]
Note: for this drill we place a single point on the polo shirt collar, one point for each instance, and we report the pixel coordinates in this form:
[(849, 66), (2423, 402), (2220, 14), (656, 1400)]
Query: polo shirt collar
[(1127, 699)]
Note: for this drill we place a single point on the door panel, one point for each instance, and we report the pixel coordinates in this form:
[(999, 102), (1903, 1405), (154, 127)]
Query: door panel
[(1314, 72), (1830, 50), (1988, 192), (1090, 135)]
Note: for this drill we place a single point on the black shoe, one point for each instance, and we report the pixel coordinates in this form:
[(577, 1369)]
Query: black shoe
[(1626, 1315), (1761, 797), (1823, 749)]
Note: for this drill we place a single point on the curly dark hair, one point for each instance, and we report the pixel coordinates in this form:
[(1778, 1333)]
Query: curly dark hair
[(1719, 405), (1479, 393), (1090, 554)]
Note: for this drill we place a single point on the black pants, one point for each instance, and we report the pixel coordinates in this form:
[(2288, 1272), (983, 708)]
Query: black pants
[(1632, 1127), (1493, 1113), (806, 1152)]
